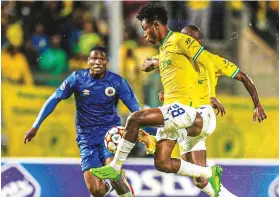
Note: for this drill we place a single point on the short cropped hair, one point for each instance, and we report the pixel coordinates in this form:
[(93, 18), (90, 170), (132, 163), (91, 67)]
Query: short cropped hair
[(153, 11), (196, 29), (99, 48)]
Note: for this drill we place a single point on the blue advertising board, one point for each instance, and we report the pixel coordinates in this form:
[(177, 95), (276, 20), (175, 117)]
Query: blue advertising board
[(51, 177)]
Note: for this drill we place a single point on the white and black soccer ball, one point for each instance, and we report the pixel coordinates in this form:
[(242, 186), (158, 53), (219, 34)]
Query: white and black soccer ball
[(113, 137)]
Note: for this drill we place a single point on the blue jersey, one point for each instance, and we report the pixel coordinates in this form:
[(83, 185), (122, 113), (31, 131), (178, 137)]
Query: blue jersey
[(96, 100)]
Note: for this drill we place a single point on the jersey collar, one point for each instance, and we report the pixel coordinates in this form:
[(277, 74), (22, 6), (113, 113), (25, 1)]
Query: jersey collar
[(104, 78), (168, 35)]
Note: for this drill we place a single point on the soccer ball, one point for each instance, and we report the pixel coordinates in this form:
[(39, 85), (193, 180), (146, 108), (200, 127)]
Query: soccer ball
[(113, 137)]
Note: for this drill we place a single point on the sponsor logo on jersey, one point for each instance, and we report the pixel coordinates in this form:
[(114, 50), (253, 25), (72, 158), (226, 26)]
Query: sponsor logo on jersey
[(85, 92), (110, 91), (16, 181), (200, 81), (165, 63)]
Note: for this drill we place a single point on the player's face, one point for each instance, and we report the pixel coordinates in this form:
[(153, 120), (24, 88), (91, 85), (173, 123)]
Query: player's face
[(194, 34), (97, 61), (150, 31)]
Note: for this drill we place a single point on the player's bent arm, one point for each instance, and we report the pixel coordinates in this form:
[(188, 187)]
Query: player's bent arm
[(150, 64), (249, 85)]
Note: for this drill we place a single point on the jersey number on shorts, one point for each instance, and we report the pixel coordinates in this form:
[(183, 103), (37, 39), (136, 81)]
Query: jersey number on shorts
[(176, 110)]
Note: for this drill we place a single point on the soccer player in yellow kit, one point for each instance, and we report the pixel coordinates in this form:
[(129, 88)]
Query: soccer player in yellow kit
[(177, 52), (193, 149)]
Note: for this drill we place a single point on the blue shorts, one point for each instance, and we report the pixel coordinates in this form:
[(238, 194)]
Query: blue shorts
[(93, 151)]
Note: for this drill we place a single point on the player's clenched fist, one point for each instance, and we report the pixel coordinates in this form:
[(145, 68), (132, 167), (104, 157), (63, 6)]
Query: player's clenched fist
[(30, 134)]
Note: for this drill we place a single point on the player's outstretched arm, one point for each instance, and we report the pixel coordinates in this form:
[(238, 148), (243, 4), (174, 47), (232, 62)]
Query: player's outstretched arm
[(251, 88), (61, 93), (150, 64), (46, 110)]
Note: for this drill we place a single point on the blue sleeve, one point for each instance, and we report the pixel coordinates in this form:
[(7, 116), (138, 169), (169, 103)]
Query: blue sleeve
[(128, 97), (62, 92)]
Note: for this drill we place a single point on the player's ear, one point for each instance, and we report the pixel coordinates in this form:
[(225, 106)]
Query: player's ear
[(156, 25)]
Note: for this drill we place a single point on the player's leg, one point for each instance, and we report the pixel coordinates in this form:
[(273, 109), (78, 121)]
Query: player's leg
[(97, 187), (90, 159), (193, 150), (164, 163), (121, 186), (147, 117), (170, 116), (173, 117), (197, 155)]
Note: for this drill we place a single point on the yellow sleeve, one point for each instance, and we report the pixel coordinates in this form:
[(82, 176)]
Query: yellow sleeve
[(193, 50), (188, 46), (225, 67), (229, 69)]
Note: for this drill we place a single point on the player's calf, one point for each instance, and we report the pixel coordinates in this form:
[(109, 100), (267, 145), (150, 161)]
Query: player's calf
[(162, 160), (97, 187), (123, 187)]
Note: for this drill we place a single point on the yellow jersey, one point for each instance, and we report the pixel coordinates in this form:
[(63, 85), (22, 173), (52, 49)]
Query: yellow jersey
[(179, 76), (222, 67)]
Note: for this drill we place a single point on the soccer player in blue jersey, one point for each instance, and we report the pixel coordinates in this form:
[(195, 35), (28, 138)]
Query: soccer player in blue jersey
[(97, 92)]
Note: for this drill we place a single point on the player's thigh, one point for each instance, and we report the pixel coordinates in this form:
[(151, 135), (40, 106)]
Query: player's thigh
[(147, 117), (93, 184), (89, 154)]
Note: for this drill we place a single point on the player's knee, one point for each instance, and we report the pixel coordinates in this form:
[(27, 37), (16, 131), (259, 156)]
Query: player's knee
[(162, 165), (200, 182), (134, 119)]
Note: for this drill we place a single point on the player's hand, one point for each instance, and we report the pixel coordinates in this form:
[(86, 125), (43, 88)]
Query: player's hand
[(161, 96), (216, 104), (149, 65), (259, 113), (30, 134)]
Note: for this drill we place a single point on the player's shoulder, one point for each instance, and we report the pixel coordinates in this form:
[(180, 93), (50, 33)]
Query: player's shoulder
[(79, 74), (114, 77), (179, 36)]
